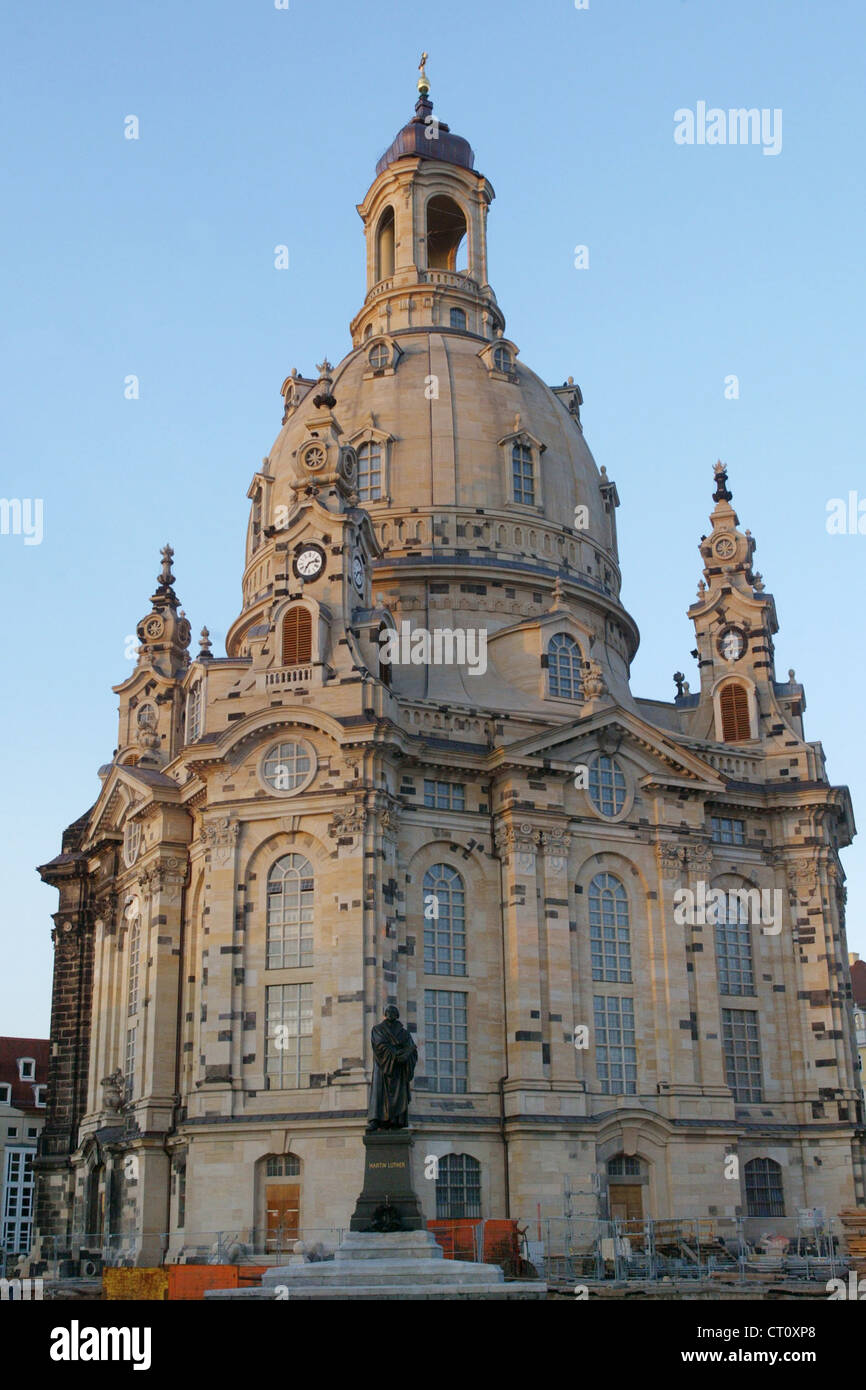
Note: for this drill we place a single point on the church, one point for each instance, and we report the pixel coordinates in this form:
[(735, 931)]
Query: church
[(496, 836)]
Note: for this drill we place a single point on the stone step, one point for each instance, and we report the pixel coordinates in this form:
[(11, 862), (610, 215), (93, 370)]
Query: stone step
[(414, 1292), (384, 1272)]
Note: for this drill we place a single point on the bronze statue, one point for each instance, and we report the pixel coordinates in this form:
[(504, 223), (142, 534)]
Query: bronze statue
[(394, 1059)]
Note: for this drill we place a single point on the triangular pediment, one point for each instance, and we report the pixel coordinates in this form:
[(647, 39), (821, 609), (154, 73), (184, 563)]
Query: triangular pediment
[(124, 791), (613, 729)]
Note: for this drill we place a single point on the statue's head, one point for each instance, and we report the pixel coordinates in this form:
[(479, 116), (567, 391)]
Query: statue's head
[(392, 1012)]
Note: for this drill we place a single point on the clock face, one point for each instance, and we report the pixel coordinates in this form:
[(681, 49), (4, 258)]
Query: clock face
[(309, 562), (358, 573), (732, 644)]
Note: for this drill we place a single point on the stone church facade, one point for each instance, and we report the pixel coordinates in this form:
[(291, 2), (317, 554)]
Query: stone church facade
[(292, 835)]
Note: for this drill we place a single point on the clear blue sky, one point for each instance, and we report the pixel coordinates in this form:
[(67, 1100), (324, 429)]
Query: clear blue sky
[(261, 126)]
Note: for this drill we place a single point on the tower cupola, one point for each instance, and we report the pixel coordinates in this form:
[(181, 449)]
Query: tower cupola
[(425, 223)]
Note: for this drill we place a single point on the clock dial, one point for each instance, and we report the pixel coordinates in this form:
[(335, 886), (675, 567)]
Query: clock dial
[(358, 573), (309, 562), (732, 644)]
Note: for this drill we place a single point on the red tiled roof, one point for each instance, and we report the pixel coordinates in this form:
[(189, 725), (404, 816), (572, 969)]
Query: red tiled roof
[(11, 1049)]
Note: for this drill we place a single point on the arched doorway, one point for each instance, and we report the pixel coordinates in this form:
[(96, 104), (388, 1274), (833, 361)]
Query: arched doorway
[(282, 1190)]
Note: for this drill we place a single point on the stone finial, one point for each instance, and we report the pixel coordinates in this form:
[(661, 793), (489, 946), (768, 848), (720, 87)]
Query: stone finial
[(204, 645), (593, 679), (678, 681), (165, 577), (792, 675), (722, 493), (702, 588), (758, 582), (325, 396)]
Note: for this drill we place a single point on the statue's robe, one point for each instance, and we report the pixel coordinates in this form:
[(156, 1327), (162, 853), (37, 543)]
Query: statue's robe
[(394, 1059)]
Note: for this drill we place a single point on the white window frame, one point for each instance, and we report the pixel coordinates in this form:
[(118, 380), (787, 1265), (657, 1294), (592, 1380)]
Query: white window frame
[(30, 1074)]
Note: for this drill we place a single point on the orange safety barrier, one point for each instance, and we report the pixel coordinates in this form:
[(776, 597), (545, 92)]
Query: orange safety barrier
[(135, 1285), (457, 1237), (190, 1281)]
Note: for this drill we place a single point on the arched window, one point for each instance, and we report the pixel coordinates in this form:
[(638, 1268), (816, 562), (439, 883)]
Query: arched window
[(132, 967), (458, 318), (193, 713), (385, 245), (369, 471), (522, 474), (734, 946), (384, 666), (444, 921), (502, 359), (734, 708), (564, 667), (609, 930), (446, 228), (297, 636), (283, 1166), (623, 1166), (290, 913), (458, 1187), (764, 1192)]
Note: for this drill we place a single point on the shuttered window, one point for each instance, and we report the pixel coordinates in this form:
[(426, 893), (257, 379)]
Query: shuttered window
[(297, 637), (734, 705)]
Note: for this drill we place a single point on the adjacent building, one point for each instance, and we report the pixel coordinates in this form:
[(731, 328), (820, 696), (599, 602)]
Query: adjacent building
[(23, 1103)]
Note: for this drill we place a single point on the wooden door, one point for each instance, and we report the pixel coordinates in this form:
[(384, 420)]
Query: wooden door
[(626, 1201), (283, 1202)]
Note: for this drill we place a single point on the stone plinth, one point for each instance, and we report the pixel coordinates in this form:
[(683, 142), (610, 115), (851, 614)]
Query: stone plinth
[(397, 1264), (388, 1190)]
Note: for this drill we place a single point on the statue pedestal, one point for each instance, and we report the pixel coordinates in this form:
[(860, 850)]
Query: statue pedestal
[(388, 1201)]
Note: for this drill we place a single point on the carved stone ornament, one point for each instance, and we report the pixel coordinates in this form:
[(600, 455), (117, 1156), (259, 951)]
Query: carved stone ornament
[(593, 680), (556, 845), (350, 821), (802, 877), (220, 835), (522, 840), (113, 1091), (671, 860), (165, 878)]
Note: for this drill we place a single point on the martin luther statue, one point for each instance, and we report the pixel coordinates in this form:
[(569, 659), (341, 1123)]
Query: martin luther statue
[(394, 1059)]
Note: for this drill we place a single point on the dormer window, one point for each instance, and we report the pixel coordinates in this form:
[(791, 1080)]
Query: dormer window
[(522, 474), (379, 356), (39, 1095), (369, 471), (26, 1069), (564, 667), (502, 360), (5, 1093)]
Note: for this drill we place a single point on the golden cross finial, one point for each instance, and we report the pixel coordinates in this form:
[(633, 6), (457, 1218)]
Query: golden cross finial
[(423, 81)]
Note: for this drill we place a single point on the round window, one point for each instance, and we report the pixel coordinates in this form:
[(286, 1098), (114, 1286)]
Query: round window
[(378, 356), (288, 767), (607, 785)]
